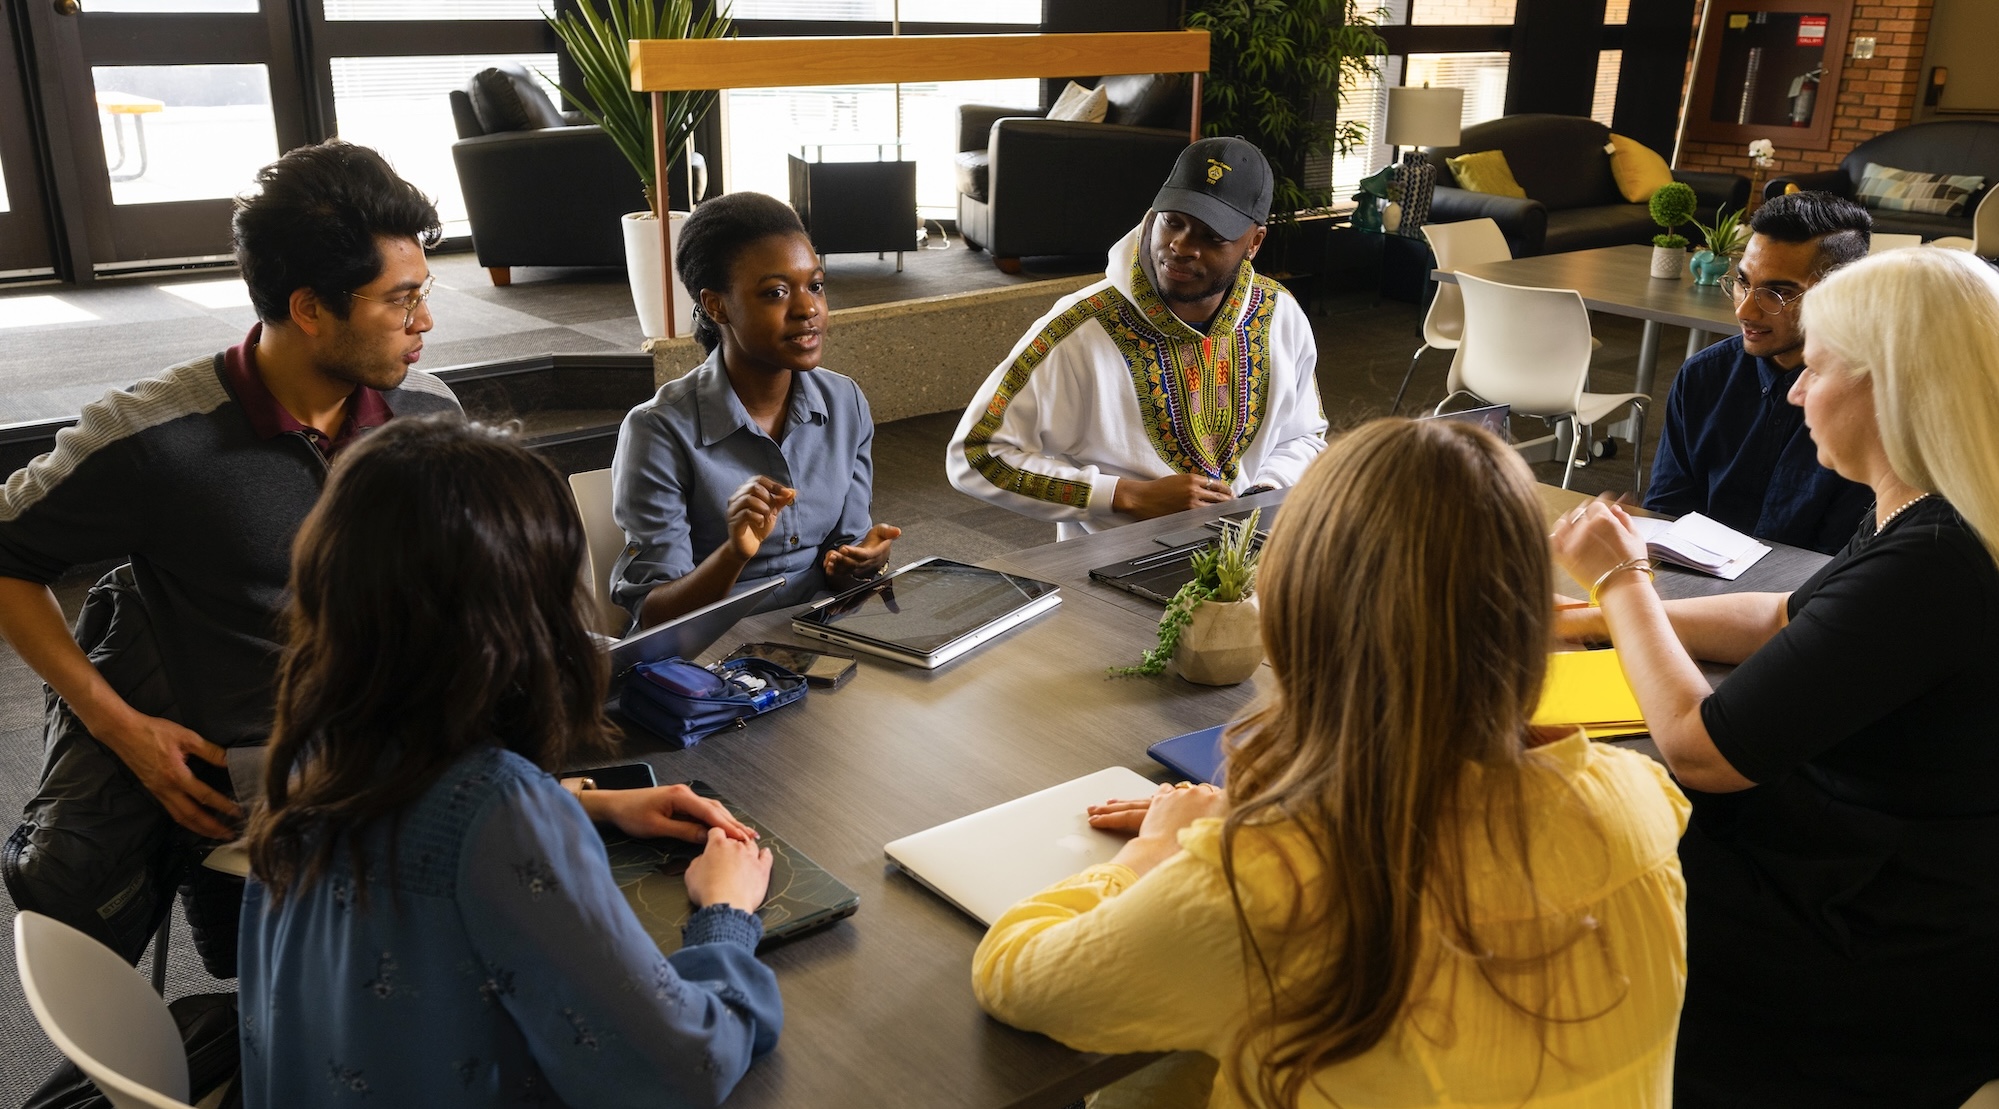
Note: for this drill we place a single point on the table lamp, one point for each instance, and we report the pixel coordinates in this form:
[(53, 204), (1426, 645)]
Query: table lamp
[(1418, 118)]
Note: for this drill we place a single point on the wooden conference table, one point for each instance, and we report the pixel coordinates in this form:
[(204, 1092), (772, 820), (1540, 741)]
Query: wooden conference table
[(879, 1008)]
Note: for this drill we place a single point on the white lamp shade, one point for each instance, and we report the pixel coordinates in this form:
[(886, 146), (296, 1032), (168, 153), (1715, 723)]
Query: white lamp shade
[(1425, 116)]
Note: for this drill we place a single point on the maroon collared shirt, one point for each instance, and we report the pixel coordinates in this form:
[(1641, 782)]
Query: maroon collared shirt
[(366, 409)]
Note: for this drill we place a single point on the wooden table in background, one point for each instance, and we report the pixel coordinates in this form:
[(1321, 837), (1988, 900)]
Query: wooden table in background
[(879, 1008)]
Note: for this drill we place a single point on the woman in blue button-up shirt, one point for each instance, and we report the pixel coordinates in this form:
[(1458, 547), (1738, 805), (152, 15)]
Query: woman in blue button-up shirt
[(433, 921), (755, 465)]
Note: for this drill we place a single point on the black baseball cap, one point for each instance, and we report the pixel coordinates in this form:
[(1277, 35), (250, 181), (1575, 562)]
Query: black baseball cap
[(1223, 182)]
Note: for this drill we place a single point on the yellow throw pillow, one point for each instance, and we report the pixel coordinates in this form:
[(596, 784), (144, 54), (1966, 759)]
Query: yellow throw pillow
[(1638, 168), (1486, 171)]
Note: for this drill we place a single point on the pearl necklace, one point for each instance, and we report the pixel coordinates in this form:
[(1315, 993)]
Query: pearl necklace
[(1905, 506)]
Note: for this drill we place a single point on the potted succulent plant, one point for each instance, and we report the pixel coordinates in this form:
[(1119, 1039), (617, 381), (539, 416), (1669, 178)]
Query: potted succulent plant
[(1672, 205), (1725, 241), (597, 41), (1209, 631)]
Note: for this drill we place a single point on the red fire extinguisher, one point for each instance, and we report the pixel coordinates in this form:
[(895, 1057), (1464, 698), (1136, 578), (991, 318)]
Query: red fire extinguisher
[(1804, 91)]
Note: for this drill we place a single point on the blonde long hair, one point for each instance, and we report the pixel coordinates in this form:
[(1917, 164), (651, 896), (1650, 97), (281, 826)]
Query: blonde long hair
[(1923, 324), (1405, 605)]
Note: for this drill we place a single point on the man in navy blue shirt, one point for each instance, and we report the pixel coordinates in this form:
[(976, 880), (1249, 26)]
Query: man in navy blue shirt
[(1734, 449)]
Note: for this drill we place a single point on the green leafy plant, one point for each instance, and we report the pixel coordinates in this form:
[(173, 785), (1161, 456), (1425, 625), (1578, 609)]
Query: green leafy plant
[(1672, 205), (1224, 571), (598, 43), (1269, 60), (1727, 235)]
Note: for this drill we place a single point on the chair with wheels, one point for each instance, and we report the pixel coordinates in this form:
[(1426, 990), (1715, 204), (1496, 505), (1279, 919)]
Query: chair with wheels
[(1530, 348), (101, 1014), (1456, 245), (604, 540)]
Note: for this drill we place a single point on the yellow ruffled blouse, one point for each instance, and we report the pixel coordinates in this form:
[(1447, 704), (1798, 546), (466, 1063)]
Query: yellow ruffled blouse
[(1108, 962)]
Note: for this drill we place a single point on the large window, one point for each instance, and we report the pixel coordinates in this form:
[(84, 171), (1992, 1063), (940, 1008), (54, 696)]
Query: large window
[(911, 11), (1482, 76), (1604, 102), (402, 107), (183, 132), (385, 10), (1461, 12)]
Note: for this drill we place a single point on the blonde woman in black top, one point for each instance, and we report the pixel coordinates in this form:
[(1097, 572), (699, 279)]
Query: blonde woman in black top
[(1843, 859)]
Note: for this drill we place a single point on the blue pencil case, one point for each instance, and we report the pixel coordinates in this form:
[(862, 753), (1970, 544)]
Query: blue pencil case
[(682, 703)]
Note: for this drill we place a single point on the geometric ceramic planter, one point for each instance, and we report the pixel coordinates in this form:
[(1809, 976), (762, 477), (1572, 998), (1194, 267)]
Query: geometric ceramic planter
[(1666, 262), (1221, 644)]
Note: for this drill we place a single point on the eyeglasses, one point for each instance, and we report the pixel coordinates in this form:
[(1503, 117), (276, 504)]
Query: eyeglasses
[(1769, 300), (408, 304)]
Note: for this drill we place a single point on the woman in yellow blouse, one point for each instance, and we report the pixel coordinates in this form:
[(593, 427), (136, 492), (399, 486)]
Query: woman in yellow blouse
[(1407, 896)]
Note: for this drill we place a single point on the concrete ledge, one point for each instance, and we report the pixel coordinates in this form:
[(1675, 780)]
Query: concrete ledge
[(913, 357)]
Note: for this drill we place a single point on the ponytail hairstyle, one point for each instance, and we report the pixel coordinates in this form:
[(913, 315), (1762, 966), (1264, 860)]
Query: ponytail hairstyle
[(436, 608), (713, 237)]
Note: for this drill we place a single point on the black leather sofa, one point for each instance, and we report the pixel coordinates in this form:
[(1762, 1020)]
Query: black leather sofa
[(541, 187), (1960, 146), (1028, 185), (1572, 199)]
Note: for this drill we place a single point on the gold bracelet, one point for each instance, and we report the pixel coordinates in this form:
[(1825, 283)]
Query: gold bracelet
[(1596, 589)]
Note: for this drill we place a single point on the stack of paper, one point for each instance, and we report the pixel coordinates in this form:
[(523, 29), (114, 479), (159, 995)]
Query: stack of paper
[(1698, 543), (1587, 689)]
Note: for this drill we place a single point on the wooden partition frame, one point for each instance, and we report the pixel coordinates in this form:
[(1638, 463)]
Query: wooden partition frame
[(660, 66)]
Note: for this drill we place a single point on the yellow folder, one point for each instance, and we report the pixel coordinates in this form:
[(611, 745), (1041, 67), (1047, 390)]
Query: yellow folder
[(1587, 688)]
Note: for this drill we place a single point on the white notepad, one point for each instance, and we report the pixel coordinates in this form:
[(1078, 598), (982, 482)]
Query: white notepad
[(1698, 543)]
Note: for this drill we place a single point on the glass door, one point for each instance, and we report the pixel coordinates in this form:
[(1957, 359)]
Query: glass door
[(170, 107), (26, 248)]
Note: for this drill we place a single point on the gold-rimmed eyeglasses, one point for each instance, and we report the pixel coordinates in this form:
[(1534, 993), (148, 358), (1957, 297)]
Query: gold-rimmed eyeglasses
[(408, 304), (1769, 300)]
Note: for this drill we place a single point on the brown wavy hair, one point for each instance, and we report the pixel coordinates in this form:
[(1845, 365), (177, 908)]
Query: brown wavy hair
[(1406, 605), (436, 607)]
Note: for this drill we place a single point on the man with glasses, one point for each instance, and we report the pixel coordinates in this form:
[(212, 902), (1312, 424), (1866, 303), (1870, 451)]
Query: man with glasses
[(198, 480), (1734, 449)]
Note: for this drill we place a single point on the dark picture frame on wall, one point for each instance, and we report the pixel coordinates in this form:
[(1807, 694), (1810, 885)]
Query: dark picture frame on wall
[(1769, 69)]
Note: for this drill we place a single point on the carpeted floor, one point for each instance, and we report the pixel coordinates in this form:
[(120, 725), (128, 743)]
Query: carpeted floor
[(50, 370)]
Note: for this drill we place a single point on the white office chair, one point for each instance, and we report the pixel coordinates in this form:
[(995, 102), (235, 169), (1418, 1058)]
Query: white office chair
[(101, 1014), (1530, 348), (1879, 242), (604, 540), (1456, 245), (1984, 242)]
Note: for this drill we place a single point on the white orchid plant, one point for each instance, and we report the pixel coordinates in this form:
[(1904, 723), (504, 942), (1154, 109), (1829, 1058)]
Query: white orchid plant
[(1764, 153)]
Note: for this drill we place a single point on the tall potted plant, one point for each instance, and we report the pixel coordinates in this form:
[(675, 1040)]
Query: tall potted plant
[(1672, 205), (1269, 61), (597, 42)]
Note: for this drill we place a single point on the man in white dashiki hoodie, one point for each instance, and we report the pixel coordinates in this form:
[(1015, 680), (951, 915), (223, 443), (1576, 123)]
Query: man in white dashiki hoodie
[(1181, 379)]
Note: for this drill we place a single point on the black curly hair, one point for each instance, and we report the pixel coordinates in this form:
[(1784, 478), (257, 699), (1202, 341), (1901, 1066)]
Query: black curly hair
[(312, 224), (715, 236)]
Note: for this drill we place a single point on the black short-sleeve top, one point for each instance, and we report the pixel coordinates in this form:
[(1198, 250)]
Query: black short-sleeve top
[(1882, 692)]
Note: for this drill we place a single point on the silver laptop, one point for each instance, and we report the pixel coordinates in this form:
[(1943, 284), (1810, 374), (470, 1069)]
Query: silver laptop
[(985, 862), (929, 612), (688, 635)]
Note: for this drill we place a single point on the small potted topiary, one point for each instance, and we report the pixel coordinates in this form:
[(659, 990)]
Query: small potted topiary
[(1209, 631), (1672, 205)]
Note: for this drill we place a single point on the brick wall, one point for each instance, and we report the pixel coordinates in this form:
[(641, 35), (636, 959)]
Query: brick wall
[(1875, 94)]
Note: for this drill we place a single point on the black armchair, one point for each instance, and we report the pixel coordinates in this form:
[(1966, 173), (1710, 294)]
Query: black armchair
[(1029, 185), (1572, 200), (541, 188)]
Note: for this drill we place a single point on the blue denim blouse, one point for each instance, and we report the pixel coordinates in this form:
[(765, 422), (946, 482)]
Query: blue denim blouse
[(682, 454), (496, 963)]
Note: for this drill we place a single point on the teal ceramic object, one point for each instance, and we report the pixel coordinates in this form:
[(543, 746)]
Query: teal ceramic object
[(1708, 267)]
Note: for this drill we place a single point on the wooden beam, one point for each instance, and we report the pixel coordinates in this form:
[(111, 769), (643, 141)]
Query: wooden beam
[(672, 65)]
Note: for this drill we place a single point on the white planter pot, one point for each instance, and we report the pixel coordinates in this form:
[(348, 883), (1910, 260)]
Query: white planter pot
[(1667, 262), (1221, 644), (642, 266)]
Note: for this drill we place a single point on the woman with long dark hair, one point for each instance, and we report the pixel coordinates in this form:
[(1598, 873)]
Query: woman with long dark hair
[(432, 920), (1406, 894), (757, 463)]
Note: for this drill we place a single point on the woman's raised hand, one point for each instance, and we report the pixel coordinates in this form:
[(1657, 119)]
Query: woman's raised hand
[(1594, 537), (753, 510)]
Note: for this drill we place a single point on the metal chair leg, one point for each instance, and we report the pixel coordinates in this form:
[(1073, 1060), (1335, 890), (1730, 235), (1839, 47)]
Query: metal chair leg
[(1638, 474), (1406, 375), (1575, 444), (160, 950)]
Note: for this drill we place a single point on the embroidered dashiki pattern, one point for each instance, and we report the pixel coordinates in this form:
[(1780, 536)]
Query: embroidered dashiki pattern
[(1202, 397)]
